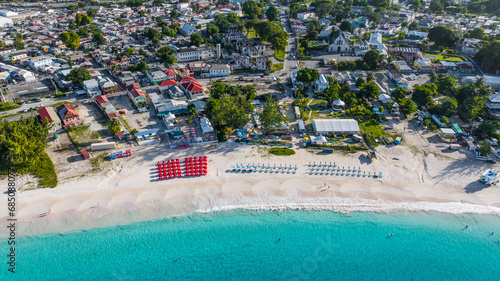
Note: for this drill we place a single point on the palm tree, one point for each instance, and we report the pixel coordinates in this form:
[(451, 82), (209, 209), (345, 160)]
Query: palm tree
[(433, 77), (370, 76)]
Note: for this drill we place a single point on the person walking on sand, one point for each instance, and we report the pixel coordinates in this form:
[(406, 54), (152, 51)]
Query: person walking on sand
[(328, 187), (48, 212)]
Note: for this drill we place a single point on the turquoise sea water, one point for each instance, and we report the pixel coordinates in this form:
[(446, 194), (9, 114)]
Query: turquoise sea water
[(267, 245)]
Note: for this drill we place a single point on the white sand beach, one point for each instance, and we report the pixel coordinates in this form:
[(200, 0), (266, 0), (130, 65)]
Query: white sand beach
[(128, 191)]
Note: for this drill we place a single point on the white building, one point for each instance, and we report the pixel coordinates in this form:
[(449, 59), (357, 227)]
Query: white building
[(37, 62), (335, 126), (339, 42), (4, 22), (194, 54), (321, 84), (5, 13), (220, 70), (92, 87)]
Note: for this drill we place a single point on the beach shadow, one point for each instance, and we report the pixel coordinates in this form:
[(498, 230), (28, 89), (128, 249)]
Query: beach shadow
[(474, 187), (364, 160)]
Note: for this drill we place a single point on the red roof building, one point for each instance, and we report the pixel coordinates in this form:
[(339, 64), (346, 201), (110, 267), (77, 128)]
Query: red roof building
[(68, 115), (170, 74), (193, 88)]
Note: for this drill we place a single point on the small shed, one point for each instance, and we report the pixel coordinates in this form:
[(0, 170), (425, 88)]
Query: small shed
[(85, 154), (446, 133)]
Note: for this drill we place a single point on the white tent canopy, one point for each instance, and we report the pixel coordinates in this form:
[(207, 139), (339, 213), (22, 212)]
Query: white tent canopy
[(338, 103), (319, 139), (170, 116)]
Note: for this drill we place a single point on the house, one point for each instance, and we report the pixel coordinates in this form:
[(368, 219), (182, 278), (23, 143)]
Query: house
[(385, 31), (377, 43), (187, 29), (321, 84), (92, 87), (17, 55), (107, 107), (339, 42), (359, 22), (409, 54), (261, 63), (217, 70), (167, 84), (147, 137), (68, 115), (170, 74), (37, 62), (156, 76), (108, 86), (137, 96), (49, 117), (470, 46), (423, 65), (193, 89), (206, 126), (305, 15), (326, 31), (465, 67)]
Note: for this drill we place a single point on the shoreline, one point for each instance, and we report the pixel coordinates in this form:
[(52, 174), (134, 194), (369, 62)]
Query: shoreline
[(128, 192), (125, 214)]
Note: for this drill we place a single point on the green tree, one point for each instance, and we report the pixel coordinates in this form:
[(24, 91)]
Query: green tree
[(347, 26), (489, 128), (423, 94), (251, 9), (398, 94), (98, 38), (158, 2), (369, 90), (448, 107), (445, 83), (488, 57), (114, 126), (471, 98), (212, 30), (484, 148), (271, 117), (91, 13), (78, 75), (331, 94), (444, 36), (307, 75), (436, 6), (407, 106), (272, 13), (174, 14), (372, 58), (83, 32), (323, 7), (142, 66), (192, 110), (360, 81), (433, 77), (166, 54), (129, 52), (477, 33), (70, 39), (81, 19), (413, 25), (196, 39), (143, 53)]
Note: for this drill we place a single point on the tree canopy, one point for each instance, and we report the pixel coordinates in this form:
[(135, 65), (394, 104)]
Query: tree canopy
[(346, 26), (307, 75), (369, 90), (271, 117), (251, 9), (444, 36), (230, 105), (196, 39), (70, 39), (424, 94), (272, 13), (488, 57), (372, 58), (166, 54), (78, 75)]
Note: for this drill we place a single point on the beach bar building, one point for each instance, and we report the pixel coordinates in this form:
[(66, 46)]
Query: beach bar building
[(335, 126), (147, 137)]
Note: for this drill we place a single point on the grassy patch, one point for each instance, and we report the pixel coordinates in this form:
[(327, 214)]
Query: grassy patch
[(453, 58), (96, 162), (281, 151), (4, 106), (251, 34), (277, 66), (373, 128), (82, 137), (279, 55), (60, 103)]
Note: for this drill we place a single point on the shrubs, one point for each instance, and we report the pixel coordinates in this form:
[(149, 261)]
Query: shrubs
[(4, 106), (281, 151)]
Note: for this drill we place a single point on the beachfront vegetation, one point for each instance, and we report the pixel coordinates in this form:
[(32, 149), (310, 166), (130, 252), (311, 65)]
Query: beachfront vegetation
[(281, 151), (271, 117), (22, 150), (484, 148)]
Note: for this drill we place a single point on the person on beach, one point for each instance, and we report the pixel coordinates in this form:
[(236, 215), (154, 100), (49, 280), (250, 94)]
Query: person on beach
[(48, 212), (328, 187)]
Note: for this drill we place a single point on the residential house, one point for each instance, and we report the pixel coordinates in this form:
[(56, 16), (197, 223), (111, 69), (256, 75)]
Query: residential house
[(167, 84), (170, 74), (376, 43), (108, 86), (465, 67), (409, 54), (423, 65), (17, 55), (193, 89), (49, 116), (339, 42), (156, 76), (359, 22), (493, 105), (187, 29), (470, 46), (137, 96), (92, 87), (261, 63), (68, 115), (37, 62), (305, 15)]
